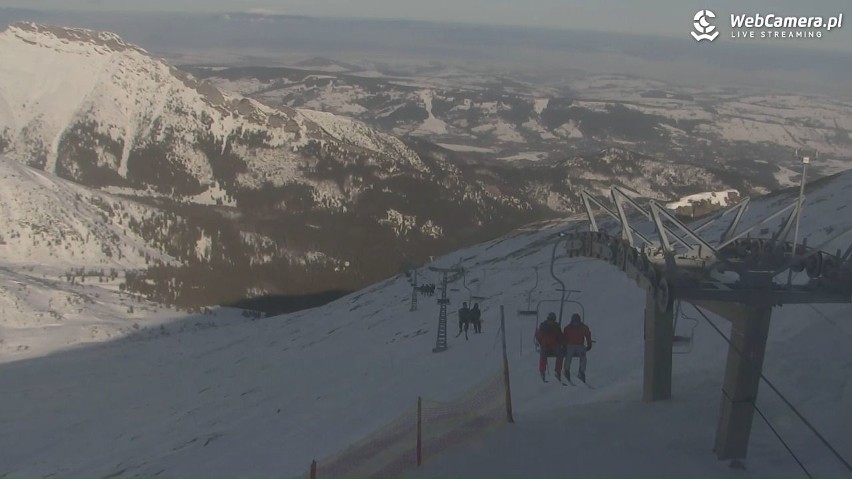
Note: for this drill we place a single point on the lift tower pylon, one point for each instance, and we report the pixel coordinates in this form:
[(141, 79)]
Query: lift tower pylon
[(414, 293), (441, 340)]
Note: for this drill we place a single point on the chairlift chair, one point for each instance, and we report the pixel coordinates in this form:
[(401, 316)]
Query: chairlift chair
[(530, 311), (470, 294), (682, 343), (450, 286), (581, 310), (455, 313)]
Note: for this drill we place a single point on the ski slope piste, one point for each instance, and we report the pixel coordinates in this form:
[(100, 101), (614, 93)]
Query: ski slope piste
[(265, 398)]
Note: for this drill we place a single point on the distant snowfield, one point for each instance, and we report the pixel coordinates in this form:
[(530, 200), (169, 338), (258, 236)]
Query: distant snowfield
[(676, 110), (501, 131), (570, 129), (336, 99), (734, 119), (430, 125), (788, 120), (714, 197), (466, 148), (527, 156), (264, 398)]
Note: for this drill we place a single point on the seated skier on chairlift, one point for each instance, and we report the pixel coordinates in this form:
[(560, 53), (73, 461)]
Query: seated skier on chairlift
[(549, 339), (577, 340), (476, 318), (464, 319)]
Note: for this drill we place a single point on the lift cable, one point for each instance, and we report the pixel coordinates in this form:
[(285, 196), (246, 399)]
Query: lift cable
[(781, 440), (793, 408)]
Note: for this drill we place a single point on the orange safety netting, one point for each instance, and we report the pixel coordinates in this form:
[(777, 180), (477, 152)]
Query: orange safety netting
[(392, 450)]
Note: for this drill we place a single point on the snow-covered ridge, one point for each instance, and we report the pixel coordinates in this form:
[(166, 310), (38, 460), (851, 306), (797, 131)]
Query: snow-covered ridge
[(65, 37), (69, 96), (58, 75), (359, 134)]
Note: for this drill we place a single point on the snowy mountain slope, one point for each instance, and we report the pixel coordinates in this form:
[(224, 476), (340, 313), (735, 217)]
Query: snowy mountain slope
[(41, 313), (65, 255), (57, 224), (266, 397), (115, 109), (88, 107), (58, 230)]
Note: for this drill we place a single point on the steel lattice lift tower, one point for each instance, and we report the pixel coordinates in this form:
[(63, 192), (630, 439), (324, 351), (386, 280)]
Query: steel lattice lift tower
[(441, 340), (414, 292)]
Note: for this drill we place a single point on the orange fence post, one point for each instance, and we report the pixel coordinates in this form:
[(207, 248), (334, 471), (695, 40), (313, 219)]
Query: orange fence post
[(314, 469), (509, 417), (419, 431)]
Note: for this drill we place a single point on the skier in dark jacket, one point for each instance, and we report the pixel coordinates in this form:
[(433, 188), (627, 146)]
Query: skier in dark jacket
[(548, 337), (577, 340), (464, 320), (476, 318)]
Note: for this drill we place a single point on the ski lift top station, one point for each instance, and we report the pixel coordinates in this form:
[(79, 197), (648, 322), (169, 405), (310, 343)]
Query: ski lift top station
[(680, 265)]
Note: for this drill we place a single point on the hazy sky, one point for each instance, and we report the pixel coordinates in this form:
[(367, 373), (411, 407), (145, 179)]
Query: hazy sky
[(660, 17)]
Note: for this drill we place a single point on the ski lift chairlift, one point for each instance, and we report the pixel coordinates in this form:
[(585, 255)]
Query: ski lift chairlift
[(529, 311), (682, 343), (565, 301), (473, 297)]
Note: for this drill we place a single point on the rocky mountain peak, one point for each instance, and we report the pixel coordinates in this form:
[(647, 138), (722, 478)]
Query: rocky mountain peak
[(56, 36)]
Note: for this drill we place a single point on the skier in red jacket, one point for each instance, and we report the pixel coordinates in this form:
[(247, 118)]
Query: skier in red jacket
[(573, 337), (549, 339)]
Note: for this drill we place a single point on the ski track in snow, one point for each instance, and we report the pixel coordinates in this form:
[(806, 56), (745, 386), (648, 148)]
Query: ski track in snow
[(264, 398), (432, 124)]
